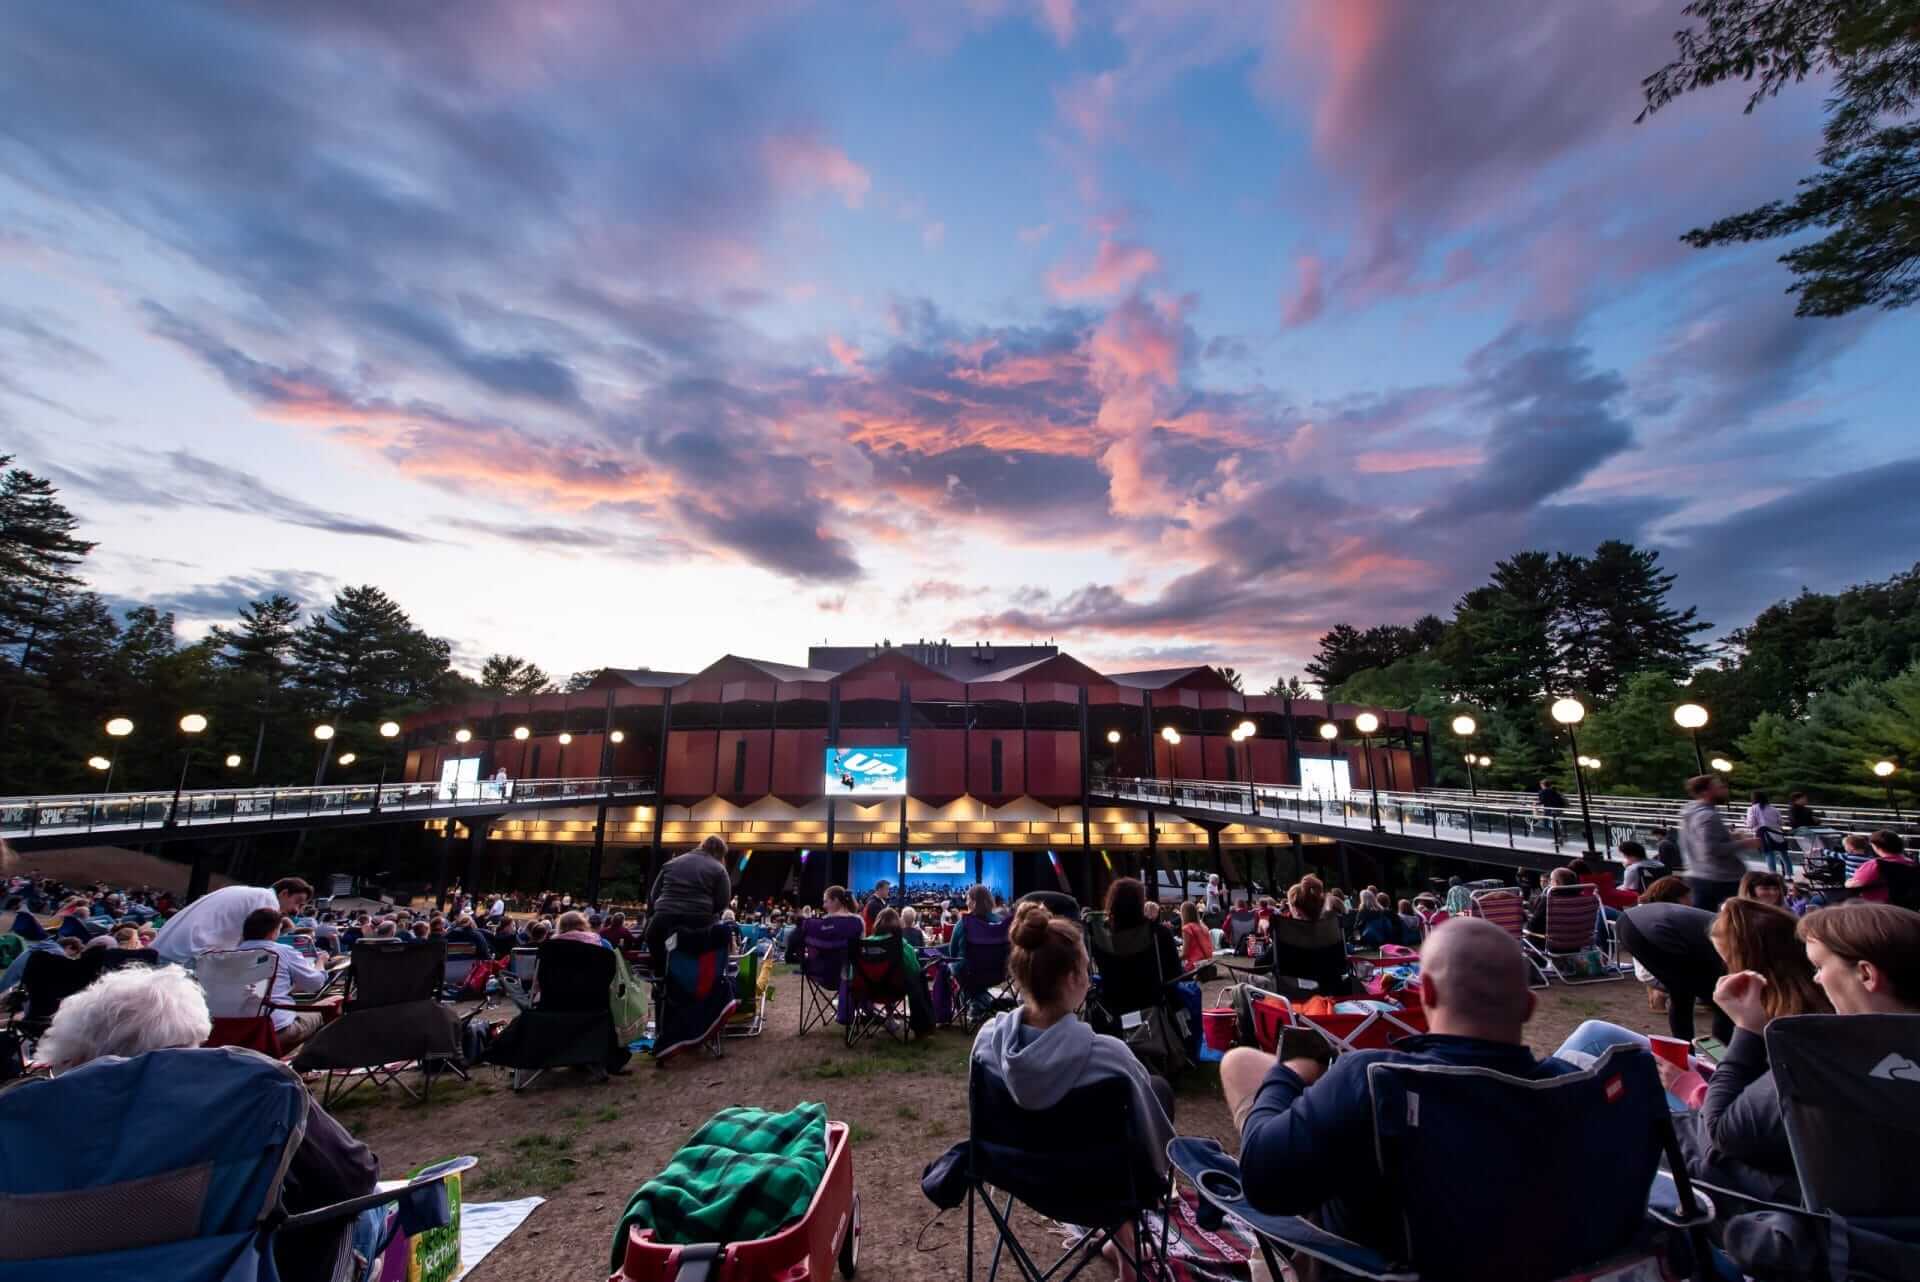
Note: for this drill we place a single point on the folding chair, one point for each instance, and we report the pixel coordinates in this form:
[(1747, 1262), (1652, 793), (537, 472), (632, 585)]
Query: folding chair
[(1308, 959), (1601, 1131), (517, 980), (1847, 1085), (1567, 950), (1239, 926), (1271, 1013), (822, 945), (392, 1020), (570, 1024), (171, 1165), (1506, 908), (877, 982), (238, 984), (980, 974), (696, 996), (751, 982), (461, 959), (49, 979), (1073, 1163)]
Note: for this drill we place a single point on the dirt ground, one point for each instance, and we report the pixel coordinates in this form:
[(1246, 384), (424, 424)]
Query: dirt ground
[(586, 1147)]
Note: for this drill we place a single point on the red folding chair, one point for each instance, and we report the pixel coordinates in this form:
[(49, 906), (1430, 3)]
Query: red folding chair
[(1271, 1013)]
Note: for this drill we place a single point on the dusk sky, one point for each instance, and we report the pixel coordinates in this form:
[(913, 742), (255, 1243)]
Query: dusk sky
[(607, 332)]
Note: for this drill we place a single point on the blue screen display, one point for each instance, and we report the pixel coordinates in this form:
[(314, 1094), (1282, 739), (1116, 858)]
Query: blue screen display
[(866, 772), (943, 872)]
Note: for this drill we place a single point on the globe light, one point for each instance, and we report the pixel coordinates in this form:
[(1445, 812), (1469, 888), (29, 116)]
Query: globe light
[(618, 736), (1593, 763), (233, 760), (1486, 761), (462, 735), (1366, 723), (120, 727), (1883, 768), (1464, 726), (323, 732), (1170, 734), (1569, 711), (1721, 764), (1690, 716), (1329, 731), (348, 758), (565, 738), (389, 729), (192, 723), (99, 763), (521, 733), (1113, 736), (1246, 729)]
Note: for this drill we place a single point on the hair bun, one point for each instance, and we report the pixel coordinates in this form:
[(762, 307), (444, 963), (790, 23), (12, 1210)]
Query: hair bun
[(1029, 928)]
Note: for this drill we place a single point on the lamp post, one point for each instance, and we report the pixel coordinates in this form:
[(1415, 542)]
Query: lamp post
[(1570, 712), (389, 731), (1464, 726), (1328, 733), (233, 760), (99, 762), (560, 764), (190, 725), (1690, 717), (1883, 770), (1366, 723), (117, 729), (1241, 734), (323, 733), (1113, 753), (1721, 765)]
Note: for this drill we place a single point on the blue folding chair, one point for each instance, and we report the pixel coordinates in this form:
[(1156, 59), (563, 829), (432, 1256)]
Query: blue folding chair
[(1492, 1176), (170, 1165)]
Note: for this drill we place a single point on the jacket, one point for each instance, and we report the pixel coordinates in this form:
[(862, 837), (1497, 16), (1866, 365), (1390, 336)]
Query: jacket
[(1711, 850), (1738, 1140), (694, 884), (1069, 1054)]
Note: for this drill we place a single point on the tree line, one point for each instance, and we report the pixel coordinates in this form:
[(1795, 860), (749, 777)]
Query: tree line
[(68, 664), (1809, 695)]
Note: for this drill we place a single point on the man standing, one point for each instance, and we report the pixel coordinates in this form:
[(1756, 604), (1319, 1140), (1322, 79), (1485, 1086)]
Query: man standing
[(690, 893), (1714, 856), (296, 974), (876, 903), (214, 920)]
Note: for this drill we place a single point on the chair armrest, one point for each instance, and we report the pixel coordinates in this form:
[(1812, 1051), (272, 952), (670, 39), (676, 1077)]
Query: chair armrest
[(1663, 1204), (422, 1196)]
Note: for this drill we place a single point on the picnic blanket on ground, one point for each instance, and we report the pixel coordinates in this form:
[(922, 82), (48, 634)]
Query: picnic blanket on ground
[(1195, 1254), (743, 1175)]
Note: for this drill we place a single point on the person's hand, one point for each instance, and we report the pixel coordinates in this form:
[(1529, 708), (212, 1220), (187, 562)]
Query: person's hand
[(1308, 1071), (1750, 843), (1668, 1073), (1742, 995)]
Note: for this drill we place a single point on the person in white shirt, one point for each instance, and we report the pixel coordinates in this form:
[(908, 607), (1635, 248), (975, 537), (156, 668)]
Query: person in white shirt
[(1761, 814), (296, 975), (214, 920)]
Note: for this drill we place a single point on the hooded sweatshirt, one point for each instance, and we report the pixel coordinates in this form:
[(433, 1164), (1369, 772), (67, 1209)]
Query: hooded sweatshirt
[(1039, 1068)]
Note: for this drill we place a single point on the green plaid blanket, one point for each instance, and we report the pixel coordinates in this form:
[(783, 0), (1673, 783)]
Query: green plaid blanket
[(745, 1174)]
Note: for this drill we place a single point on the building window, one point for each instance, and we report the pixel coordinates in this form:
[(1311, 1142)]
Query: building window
[(994, 755), (740, 765)]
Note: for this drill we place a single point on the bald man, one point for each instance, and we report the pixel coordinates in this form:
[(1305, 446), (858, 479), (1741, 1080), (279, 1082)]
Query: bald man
[(1306, 1131)]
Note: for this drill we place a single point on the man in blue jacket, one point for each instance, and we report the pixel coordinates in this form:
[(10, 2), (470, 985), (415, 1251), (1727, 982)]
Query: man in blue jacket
[(1306, 1131)]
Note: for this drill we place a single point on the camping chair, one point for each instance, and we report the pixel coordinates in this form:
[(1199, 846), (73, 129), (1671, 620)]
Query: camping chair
[(877, 981), (49, 979), (981, 975), (1132, 990), (1240, 925), (461, 959), (238, 984), (1902, 882), (1271, 1012), (1365, 1031), (751, 982), (1533, 1210), (823, 944), (1567, 951), (1308, 959), (170, 1165), (1506, 908), (570, 1024), (695, 997), (516, 981), (1847, 1086), (1074, 1163), (391, 1020)]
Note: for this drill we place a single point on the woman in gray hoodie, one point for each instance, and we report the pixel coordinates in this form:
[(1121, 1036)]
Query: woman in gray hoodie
[(1042, 1050)]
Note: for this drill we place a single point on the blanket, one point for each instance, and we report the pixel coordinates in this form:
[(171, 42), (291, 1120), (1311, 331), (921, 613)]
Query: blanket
[(745, 1174)]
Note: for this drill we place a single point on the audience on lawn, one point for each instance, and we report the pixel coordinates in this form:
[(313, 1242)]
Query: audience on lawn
[(1765, 887), (889, 924), (690, 893), (295, 975), (1870, 879), (1126, 907), (1196, 941), (215, 919), (1641, 871), (1672, 941), (979, 910)]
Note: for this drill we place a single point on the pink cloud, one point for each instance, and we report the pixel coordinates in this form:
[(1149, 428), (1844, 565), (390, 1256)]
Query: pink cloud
[(1116, 268), (1059, 17), (1391, 462), (800, 162), (846, 353), (1309, 295)]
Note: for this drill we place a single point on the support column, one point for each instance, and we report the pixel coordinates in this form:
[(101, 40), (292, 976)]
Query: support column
[(201, 874), (476, 847), (442, 855), (599, 853), (1219, 862)]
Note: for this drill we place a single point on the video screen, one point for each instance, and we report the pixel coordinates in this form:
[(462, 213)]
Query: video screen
[(939, 863), (866, 772)]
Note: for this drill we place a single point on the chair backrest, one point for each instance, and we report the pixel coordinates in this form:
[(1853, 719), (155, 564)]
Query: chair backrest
[(1902, 882), (1128, 963), (49, 978), (1850, 1088), (987, 952), (824, 943), (238, 982), (177, 1154), (1309, 956), (389, 972), (461, 957), (697, 962), (575, 976), (121, 958), (1239, 926), (1073, 1161), (1505, 908), (1271, 1013), (1568, 1161), (877, 969), (1572, 912), (522, 963)]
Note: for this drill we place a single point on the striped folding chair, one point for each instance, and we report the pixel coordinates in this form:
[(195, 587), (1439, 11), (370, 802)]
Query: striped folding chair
[(1567, 951), (1506, 908)]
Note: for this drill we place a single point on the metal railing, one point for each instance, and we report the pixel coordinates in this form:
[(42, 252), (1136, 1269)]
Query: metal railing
[(1666, 810), (124, 812)]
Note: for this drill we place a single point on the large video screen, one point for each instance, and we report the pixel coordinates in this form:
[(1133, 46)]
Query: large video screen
[(946, 873), (1325, 777), (939, 863), (866, 772)]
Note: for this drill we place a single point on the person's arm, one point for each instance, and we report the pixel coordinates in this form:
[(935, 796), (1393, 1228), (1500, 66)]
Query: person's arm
[(1741, 1122), (307, 978), (1301, 1145), (721, 885), (1867, 874), (1718, 839)]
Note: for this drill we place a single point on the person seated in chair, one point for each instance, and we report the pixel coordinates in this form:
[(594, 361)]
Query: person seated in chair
[(296, 974), (1870, 879), (1127, 908), (1306, 1130), (130, 1012), (1537, 918), (1042, 1049), (690, 893), (573, 925), (463, 931), (919, 1004)]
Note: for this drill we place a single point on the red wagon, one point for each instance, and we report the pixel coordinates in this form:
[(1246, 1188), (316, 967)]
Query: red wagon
[(809, 1248)]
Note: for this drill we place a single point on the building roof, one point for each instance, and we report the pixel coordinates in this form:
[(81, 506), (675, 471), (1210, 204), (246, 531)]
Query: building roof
[(1065, 667), (961, 662), (772, 671), (650, 677), (1161, 678)]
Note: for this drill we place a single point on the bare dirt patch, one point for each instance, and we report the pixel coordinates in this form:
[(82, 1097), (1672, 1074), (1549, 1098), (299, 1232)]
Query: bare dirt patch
[(586, 1147)]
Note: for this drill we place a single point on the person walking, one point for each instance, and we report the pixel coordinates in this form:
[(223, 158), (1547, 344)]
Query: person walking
[(1714, 857)]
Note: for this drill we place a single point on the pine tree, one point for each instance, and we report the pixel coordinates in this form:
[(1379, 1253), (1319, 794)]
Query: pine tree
[(1615, 621), (38, 557), (511, 674), (363, 657), (1232, 677)]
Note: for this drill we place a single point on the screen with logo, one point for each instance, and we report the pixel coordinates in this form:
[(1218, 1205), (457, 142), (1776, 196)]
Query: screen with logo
[(866, 772), (939, 863)]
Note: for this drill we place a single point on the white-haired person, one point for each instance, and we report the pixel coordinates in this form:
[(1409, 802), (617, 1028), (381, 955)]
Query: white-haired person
[(129, 1012)]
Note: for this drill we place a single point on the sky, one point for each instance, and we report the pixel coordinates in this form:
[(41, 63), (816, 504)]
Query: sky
[(634, 334)]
